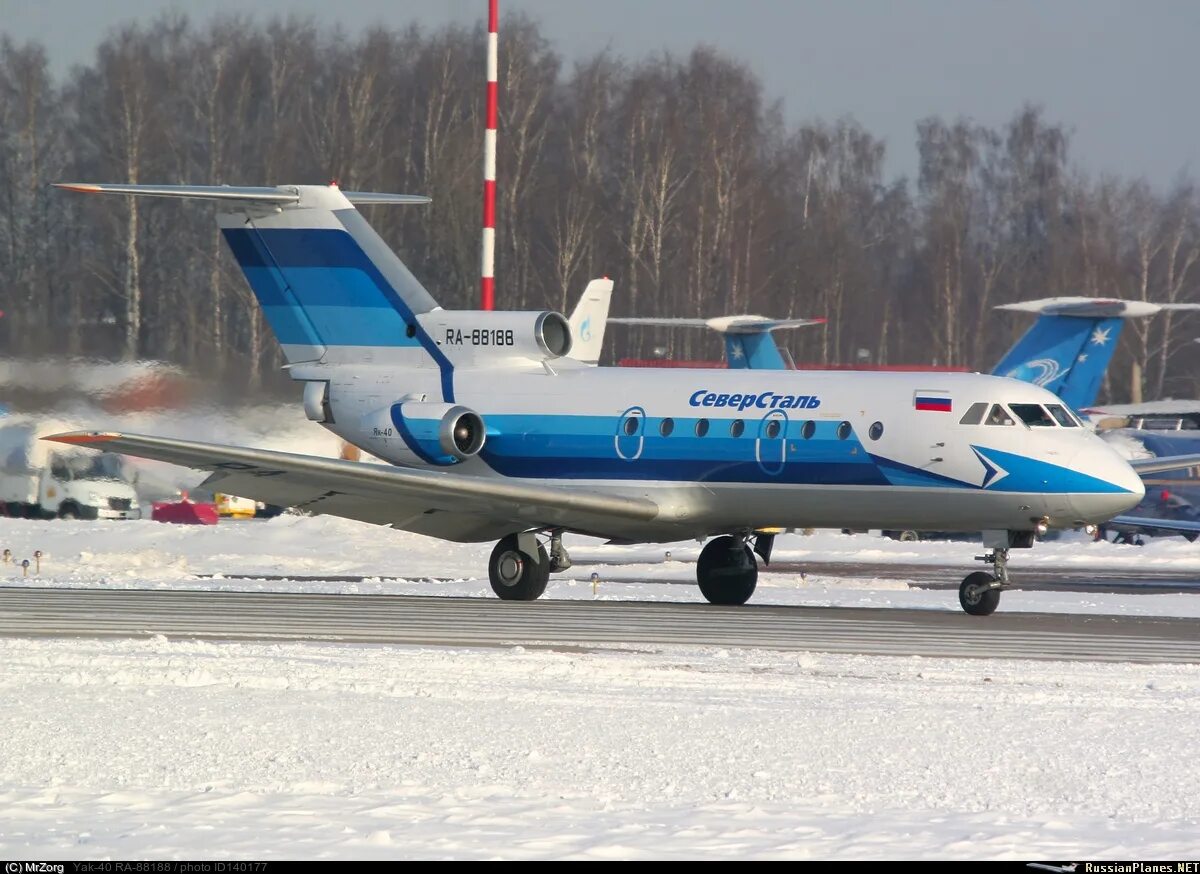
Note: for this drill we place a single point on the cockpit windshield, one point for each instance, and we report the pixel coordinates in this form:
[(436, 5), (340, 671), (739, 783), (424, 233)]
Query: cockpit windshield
[(1063, 415), (1033, 415), (999, 416)]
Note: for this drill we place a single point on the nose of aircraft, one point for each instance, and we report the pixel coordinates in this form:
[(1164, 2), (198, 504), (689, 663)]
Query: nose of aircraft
[(1102, 462)]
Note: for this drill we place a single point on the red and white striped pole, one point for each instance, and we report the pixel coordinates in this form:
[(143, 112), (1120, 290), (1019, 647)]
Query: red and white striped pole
[(487, 291)]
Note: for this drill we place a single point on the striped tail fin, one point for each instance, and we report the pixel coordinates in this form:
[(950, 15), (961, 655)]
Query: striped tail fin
[(329, 286)]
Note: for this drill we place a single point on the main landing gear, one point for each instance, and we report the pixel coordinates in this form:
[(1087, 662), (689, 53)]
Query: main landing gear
[(727, 570), (520, 566)]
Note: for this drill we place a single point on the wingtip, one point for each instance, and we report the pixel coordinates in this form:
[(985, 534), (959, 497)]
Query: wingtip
[(83, 437), (84, 187)]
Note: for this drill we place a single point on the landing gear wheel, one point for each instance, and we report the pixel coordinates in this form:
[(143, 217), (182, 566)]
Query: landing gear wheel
[(908, 537), (975, 597), (516, 575), (727, 571)]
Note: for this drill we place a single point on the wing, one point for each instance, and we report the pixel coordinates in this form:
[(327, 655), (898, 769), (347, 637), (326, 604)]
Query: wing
[(1163, 463), (450, 506), (1181, 525)]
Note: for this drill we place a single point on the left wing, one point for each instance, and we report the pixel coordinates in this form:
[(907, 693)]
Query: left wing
[(450, 506)]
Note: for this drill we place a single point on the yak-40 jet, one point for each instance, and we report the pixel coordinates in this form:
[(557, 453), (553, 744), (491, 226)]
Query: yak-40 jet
[(493, 432)]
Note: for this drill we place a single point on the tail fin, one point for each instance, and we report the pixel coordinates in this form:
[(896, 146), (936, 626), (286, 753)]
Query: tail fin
[(1069, 347), (329, 286), (589, 320)]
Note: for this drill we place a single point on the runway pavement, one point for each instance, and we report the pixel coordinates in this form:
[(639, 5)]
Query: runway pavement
[(392, 619)]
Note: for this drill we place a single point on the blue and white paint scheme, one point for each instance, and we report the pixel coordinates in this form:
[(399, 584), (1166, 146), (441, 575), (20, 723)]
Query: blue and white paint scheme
[(493, 431)]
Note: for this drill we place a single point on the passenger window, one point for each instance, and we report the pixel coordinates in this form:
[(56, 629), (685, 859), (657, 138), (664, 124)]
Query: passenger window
[(843, 430), (876, 431), (810, 428), (1033, 415), (632, 424), (999, 416), (773, 429), (1062, 415), (736, 428), (701, 427), (666, 427), (974, 415)]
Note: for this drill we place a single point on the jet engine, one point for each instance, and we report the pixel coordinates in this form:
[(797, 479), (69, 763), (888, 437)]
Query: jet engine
[(439, 434)]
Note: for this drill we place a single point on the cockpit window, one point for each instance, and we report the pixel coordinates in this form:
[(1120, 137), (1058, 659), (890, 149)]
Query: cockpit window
[(1062, 415), (999, 416), (974, 415), (1033, 415)]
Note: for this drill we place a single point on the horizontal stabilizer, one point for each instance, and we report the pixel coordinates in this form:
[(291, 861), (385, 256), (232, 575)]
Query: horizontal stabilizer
[(1094, 307), (278, 196), (724, 324)]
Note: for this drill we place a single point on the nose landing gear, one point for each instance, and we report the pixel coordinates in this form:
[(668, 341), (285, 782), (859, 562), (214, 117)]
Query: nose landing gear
[(979, 593)]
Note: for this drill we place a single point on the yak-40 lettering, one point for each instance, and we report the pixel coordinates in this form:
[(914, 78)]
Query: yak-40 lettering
[(493, 426)]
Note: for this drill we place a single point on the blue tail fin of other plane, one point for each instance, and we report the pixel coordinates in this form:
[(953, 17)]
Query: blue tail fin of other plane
[(753, 351), (1064, 354)]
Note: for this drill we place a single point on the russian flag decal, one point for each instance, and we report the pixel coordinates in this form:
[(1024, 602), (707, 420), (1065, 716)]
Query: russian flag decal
[(932, 401)]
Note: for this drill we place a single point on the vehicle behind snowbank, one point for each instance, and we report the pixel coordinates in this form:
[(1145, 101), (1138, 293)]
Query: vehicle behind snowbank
[(44, 480)]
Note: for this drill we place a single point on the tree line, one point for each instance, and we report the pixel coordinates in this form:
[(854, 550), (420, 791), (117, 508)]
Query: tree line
[(675, 175)]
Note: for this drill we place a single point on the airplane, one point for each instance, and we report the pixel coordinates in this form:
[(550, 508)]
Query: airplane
[(1070, 345), (492, 431), (748, 340), (1067, 350)]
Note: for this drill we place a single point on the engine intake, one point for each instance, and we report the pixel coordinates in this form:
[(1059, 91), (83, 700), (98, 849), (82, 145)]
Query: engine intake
[(475, 336), (461, 433), (439, 434)]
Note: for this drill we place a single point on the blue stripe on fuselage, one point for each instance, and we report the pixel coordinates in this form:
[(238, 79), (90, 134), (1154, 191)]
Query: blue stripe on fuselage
[(585, 447)]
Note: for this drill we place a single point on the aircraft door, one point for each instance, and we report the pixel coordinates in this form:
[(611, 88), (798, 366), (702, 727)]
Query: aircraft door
[(770, 449), (630, 437)]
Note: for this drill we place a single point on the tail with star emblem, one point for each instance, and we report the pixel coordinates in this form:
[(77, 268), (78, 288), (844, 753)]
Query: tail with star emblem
[(1069, 347)]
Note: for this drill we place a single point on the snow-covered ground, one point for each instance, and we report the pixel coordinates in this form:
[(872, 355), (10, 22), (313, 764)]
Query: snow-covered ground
[(148, 554), (182, 749), (156, 748)]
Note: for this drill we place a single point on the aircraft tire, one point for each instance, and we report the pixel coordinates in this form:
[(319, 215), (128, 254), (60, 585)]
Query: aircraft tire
[(976, 600), (727, 571), (515, 575)]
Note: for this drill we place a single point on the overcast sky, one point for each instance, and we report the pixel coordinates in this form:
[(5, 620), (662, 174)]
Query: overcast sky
[(1122, 75)]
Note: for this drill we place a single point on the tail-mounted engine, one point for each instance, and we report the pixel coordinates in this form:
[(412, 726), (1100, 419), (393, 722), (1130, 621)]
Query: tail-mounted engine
[(441, 434), (466, 335)]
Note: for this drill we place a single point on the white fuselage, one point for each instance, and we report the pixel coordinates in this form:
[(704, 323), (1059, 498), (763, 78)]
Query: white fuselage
[(916, 468)]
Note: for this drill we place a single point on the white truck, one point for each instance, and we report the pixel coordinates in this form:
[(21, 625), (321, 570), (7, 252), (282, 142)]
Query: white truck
[(43, 480)]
